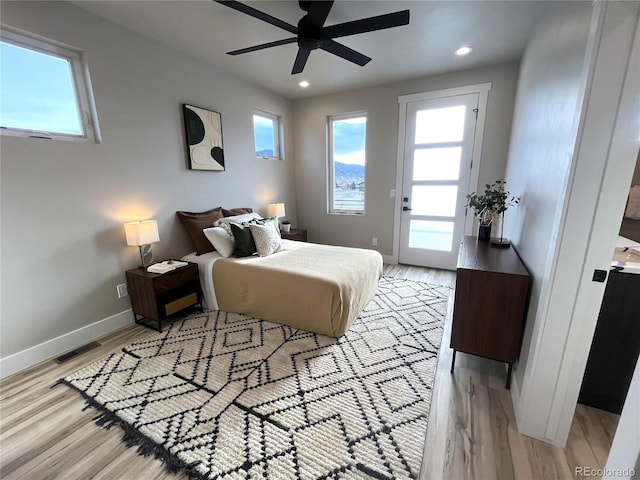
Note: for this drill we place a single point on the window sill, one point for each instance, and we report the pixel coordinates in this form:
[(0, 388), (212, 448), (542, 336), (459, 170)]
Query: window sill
[(10, 132), (347, 213)]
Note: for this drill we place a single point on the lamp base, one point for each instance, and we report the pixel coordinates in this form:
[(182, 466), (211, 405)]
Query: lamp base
[(500, 242), (146, 255)]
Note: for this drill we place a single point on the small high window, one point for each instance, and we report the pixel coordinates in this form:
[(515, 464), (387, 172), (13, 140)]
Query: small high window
[(44, 90), (266, 132), (347, 161)]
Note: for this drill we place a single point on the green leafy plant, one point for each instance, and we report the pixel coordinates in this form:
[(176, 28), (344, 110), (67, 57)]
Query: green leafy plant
[(286, 222), (492, 203)]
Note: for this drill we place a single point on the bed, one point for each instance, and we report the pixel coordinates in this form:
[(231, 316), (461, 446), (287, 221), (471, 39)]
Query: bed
[(319, 288)]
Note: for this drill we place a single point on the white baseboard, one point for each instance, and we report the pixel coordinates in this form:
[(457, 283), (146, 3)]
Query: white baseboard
[(56, 346), (390, 259)]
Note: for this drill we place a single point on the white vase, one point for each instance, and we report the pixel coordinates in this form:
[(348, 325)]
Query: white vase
[(285, 227)]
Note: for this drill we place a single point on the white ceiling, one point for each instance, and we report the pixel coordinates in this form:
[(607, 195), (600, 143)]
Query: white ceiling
[(498, 31)]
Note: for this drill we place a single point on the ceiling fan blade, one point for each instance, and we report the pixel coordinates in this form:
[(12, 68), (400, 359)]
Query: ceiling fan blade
[(301, 61), (345, 52), (263, 46), (370, 24), (318, 13), (241, 7)]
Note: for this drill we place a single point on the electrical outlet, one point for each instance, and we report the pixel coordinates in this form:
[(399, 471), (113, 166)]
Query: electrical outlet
[(392, 193), (122, 290), (374, 241)]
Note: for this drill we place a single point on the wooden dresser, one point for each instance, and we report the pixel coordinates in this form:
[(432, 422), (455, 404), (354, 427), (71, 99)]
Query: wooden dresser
[(492, 287)]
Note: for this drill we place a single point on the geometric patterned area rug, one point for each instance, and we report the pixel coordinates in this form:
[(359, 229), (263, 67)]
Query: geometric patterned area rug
[(228, 396)]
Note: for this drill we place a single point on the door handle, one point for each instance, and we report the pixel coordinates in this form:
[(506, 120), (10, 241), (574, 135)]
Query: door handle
[(405, 209)]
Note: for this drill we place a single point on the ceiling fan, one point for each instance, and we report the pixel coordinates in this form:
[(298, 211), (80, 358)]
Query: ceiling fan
[(311, 34)]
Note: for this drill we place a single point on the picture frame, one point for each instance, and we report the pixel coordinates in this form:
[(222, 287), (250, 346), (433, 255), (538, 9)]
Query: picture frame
[(203, 133)]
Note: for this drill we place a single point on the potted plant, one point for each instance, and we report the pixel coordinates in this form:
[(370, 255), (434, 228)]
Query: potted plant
[(286, 225), (489, 206)]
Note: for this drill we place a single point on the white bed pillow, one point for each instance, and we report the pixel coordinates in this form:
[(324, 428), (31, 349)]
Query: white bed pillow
[(221, 240), (225, 221), (245, 217), (267, 238)]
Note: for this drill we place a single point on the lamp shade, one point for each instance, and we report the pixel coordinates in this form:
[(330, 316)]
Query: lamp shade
[(276, 209), (141, 233)]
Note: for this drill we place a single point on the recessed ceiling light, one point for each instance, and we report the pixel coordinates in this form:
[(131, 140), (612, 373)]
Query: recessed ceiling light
[(465, 50), (304, 84)]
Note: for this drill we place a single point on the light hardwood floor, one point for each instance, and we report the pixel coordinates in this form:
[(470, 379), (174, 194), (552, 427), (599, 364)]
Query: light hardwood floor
[(46, 433)]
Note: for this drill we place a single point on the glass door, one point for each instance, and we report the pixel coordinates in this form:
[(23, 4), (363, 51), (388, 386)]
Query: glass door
[(439, 139)]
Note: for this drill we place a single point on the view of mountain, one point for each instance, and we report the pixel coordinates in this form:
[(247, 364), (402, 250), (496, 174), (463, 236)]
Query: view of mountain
[(346, 174), (348, 191)]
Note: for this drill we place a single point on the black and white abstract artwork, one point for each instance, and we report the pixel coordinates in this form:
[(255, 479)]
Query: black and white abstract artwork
[(204, 138)]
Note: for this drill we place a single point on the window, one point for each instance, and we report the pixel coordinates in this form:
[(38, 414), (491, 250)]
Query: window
[(347, 159), (44, 90), (266, 132)]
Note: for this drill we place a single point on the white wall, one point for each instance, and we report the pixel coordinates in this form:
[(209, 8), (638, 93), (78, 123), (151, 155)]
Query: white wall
[(564, 137), (381, 103), (543, 136), (63, 204)]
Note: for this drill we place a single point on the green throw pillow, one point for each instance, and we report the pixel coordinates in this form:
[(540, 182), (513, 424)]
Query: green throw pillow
[(243, 244)]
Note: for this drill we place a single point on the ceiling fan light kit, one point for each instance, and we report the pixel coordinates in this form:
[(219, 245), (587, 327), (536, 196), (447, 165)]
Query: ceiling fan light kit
[(311, 34)]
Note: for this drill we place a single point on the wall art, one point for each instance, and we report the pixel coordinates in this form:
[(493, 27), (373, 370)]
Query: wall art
[(204, 138)]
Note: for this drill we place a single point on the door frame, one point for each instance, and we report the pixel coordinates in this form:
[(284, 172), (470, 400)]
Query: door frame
[(593, 206), (482, 89)]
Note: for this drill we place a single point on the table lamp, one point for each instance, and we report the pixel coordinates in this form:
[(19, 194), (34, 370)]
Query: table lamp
[(142, 235), (276, 210)]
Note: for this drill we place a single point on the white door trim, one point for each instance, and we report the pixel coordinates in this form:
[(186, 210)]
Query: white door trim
[(446, 92), (483, 90), (620, 152)]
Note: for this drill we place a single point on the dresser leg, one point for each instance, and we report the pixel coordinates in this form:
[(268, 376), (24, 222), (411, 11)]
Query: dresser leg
[(453, 360), (509, 372)]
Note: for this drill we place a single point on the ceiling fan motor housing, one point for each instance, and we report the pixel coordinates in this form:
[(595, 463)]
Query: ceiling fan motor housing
[(309, 38)]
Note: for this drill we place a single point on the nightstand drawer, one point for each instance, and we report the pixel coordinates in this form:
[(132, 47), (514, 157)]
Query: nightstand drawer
[(181, 303), (176, 278)]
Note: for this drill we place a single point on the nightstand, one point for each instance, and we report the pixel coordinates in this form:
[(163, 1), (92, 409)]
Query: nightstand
[(155, 296), (297, 234)]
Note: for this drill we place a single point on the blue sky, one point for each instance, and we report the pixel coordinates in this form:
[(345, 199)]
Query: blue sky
[(263, 131), (37, 91), (349, 136)]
